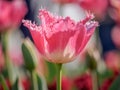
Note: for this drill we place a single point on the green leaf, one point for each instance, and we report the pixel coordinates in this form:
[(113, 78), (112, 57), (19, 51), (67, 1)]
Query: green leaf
[(51, 67), (3, 83), (4, 40), (15, 86), (39, 82), (29, 55), (91, 62), (106, 74), (116, 84)]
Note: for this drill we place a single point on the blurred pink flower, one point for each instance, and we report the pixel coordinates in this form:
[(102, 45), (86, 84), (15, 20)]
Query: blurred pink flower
[(11, 13), (83, 82), (25, 83), (98, 7), (66, 84), (64, 1), (115, 35), (115, 10), (112, 60), (59, 39)]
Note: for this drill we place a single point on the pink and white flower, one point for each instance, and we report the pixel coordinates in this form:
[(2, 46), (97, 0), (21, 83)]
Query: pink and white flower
[(60, 40)]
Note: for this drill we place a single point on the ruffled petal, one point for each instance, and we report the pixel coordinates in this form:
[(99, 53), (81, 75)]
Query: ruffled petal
[(90, 27), (37, 35)]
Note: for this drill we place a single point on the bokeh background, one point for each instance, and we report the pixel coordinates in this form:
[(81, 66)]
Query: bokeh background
[(98, 64)]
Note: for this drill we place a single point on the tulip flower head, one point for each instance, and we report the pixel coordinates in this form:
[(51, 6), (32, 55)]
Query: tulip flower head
[(115, 35), (60, 40), (115, 10), (11, 13)]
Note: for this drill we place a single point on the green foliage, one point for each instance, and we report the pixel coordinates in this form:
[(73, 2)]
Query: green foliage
[(91, 62), (3, 83), (39, 82), (116, 84), (15, 86), (106, 74), (51, 67), (29, 55)]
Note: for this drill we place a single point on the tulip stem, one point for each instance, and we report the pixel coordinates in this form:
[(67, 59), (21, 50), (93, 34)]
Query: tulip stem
[(3, 83), (59, 76), (95, 81), (34, 80), (6, 56)]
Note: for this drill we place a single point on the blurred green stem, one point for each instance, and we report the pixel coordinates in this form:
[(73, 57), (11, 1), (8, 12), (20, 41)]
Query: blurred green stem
[(6, 56), (59, 76), (97, 39), (95, 81), (34, 80), (3, 83)]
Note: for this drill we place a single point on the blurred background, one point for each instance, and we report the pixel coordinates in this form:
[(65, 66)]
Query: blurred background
[(97, 67)]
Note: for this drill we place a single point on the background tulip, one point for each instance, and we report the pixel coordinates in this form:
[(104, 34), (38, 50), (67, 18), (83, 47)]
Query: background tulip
[(12, 12), (98, 7)]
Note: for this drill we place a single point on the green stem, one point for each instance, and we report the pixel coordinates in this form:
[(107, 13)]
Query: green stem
[(34, 80), (3, 83), (97, 39), (59, 76), (6, 56), (95, 81)]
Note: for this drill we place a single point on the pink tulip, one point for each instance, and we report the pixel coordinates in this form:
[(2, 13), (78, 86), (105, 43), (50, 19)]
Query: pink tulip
[(115, 10), (11, 13), (98, 7), (58, 39), (115, 35), (112, 60), (66, 84), (83, 82)]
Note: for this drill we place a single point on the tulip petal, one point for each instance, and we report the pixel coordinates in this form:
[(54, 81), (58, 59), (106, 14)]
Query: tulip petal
[(36, 33), (90, 30)]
